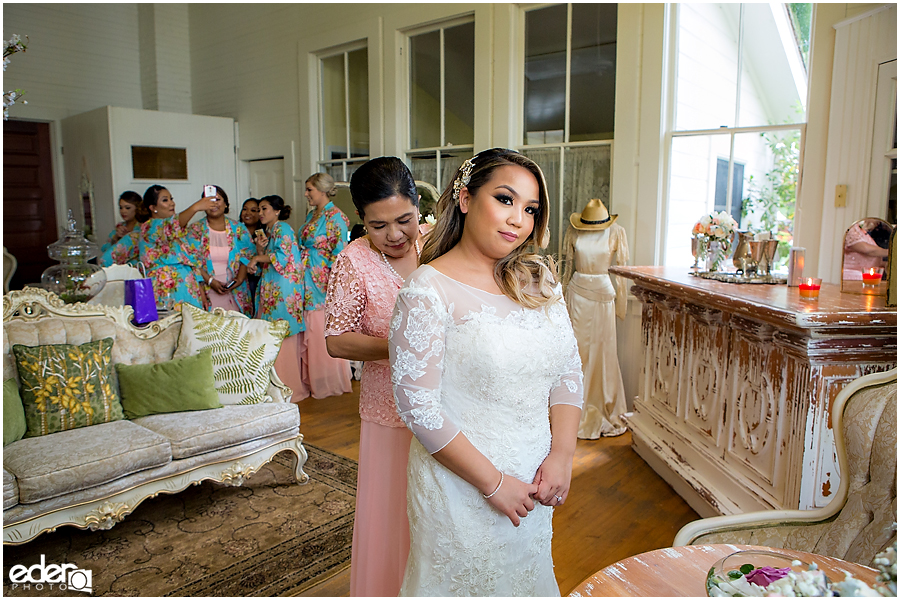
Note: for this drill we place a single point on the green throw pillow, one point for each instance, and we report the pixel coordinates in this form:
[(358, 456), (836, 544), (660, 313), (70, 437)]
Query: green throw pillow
[(175, 386), (65, 387), (243, 351), (13, 413)]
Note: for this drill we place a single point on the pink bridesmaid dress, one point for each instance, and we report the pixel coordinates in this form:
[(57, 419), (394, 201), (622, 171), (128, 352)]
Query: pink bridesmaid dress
[(361, 296)]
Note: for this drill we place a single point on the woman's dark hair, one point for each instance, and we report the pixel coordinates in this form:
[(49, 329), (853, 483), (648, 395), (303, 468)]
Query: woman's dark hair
[(244, 205), (151, 196), (358, 231), (382, 178), (222, 193), (142, 215), (277, 203)]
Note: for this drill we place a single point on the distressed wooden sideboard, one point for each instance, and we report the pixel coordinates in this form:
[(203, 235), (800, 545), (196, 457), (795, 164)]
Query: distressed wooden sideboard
[(737, 382)]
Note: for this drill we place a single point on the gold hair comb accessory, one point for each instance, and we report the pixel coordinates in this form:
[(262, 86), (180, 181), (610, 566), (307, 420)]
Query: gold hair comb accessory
[(462, 180)]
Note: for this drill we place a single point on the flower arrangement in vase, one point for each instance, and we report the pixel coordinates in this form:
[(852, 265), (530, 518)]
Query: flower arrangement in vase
[(715, 231)]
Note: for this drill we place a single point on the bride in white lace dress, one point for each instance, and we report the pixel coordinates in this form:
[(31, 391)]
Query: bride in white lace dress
[(487, 376)]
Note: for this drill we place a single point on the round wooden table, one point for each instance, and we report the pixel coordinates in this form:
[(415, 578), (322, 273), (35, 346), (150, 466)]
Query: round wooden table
[(682, 571)]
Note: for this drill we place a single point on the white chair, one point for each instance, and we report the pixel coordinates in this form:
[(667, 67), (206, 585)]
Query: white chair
[(860, 521)]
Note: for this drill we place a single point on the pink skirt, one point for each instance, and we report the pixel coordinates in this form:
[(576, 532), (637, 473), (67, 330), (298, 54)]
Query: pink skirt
[(288, 365), (381, 529), (324, 375)]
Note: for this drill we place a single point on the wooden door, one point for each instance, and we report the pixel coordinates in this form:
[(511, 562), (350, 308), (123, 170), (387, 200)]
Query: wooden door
[(29, 208)]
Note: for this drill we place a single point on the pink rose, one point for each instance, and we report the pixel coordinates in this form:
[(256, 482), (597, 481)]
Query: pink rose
[(763, 576)]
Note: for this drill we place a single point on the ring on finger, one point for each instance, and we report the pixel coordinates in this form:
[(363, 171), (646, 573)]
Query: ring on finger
[(558, 499)]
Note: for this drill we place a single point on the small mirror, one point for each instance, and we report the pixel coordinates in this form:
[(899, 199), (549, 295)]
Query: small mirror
[(865, 253)]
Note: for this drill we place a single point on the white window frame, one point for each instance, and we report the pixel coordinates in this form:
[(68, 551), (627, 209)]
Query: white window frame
[(670, 62), (323, 163), (410, 152), (562, 221)]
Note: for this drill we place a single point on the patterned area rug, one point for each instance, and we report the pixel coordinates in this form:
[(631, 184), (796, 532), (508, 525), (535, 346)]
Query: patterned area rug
[(269, 537)]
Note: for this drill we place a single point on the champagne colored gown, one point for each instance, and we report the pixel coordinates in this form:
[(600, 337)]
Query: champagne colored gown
[(593, 304)]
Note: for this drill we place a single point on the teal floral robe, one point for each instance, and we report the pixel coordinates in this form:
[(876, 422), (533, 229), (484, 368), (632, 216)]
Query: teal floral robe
[(280, 291), (321, 239), (121, 252), (242, 250), (170, 261)]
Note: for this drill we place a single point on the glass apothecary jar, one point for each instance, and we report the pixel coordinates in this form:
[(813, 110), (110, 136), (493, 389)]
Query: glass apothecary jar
[(74, 279)]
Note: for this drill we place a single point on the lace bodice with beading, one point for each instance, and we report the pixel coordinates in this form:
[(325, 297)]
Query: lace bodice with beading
[(361, 295), (464, 360)]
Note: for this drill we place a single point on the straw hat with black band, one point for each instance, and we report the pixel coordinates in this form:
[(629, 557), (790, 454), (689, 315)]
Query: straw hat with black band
[(594, 217)]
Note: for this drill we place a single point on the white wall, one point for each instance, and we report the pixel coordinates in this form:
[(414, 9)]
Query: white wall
[(210, 152)]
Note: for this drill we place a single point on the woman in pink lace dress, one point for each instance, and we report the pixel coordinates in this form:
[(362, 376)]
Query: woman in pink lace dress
[(362, 290)]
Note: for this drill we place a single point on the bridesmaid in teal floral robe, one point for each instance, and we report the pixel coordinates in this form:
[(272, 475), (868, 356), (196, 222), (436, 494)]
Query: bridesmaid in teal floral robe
[(281, 291), (122, 245), (321, 239), (166, 252), (240, 251), (122, 252)]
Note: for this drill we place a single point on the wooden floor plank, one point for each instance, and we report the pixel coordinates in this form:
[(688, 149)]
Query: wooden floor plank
[(617, 506)]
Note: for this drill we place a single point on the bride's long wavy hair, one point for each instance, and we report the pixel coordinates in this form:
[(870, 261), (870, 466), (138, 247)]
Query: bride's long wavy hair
[(516, 272)]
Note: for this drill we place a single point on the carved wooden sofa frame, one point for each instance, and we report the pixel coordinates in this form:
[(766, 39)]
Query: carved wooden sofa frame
[(228, 465)]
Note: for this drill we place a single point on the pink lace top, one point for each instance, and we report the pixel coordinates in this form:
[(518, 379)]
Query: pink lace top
[(361, 295)]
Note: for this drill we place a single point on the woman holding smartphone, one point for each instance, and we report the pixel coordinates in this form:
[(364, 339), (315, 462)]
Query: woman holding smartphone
[(281, 290), (221, 244)]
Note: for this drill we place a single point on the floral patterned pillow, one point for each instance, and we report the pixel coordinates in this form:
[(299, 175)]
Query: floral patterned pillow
[(65, 386), (243, 351)]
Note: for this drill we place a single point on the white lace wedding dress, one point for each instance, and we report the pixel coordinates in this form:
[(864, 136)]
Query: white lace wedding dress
[(464, 360)]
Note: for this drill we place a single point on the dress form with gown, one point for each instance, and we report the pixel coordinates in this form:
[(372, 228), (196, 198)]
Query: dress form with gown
[(593, 304)]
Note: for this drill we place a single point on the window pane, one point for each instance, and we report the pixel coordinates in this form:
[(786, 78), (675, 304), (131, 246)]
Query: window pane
[(358, 66), (450, 162), (548, 160), (692, 191), (352, 167), (592, 98), (586, 177), (772, 162), (459, 82), (334, 126), (425, 90), (773, 78), (424, 168), (336, 170), (706, 76), (545, 74)]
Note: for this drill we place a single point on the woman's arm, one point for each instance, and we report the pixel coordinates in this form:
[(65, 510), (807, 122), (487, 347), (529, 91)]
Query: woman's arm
[(357, 346), (184, 216), (555, 474)]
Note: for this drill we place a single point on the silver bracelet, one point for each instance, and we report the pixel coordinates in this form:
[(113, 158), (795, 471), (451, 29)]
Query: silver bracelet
[(497, 489), (209, 281)]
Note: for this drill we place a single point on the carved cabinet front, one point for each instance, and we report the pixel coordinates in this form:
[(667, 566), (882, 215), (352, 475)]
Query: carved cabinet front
[(733, 411)]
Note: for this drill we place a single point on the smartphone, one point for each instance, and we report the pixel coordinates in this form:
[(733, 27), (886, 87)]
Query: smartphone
[(209, 191), (230, 284)]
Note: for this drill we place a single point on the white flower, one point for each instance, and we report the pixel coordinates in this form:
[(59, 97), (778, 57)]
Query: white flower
[(430, 220)]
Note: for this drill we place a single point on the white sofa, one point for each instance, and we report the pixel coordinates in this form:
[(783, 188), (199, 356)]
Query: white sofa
[(94, 476)]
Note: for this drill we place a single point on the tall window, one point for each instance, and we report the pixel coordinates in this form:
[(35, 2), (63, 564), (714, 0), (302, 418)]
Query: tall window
[(738, 112), (344, 112), (570, 93), (441, 100)]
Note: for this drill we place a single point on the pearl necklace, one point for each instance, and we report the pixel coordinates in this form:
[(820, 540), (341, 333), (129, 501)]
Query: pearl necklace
[(391, 267)]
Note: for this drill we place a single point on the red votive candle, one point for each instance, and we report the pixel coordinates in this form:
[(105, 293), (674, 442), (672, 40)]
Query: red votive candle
[(872, 276), (810, 287)]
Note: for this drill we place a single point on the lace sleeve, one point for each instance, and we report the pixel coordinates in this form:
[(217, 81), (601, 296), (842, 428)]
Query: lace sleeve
[(345, 298), (569, 388), (416, 349)]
